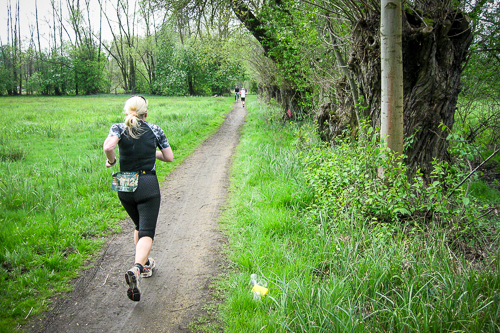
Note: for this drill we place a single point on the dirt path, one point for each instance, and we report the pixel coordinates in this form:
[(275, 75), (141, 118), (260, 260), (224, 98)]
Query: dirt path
[(186, 249)]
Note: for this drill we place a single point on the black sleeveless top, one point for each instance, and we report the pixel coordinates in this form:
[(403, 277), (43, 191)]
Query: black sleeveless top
[(139, 154)]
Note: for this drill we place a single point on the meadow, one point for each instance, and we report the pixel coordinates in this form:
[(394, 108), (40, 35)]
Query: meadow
[(56, 206)]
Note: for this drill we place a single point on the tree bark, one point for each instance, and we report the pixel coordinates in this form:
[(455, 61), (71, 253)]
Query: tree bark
[(20, 53), (391, 119), (252, 23), (343, 66), (432, 66)]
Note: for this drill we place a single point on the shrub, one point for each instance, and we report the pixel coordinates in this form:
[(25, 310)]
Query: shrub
[(345, 179)]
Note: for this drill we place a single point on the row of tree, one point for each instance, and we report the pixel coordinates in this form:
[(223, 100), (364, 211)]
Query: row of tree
[(161, 55), (315, 57)]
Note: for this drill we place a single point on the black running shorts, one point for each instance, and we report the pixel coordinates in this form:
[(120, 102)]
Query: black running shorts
[(143, 205)]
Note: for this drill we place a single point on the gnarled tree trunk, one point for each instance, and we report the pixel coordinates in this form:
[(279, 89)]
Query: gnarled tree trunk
[(432, 64)]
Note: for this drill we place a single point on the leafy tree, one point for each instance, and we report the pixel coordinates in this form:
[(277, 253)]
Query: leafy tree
[(170, 76), (89, 70), (196, 67), (35, 83), (217, 68), (59, 79), (7, 82), (287, 33), (436, 38)]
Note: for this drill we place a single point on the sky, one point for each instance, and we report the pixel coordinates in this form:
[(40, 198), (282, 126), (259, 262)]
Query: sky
[(27, 18)]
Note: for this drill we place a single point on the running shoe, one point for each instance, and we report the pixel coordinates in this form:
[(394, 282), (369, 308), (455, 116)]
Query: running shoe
[(148, 269), (132, 277)]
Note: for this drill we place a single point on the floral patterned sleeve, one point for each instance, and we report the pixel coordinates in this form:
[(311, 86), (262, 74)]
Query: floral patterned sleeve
[(161, 139), (116, 130)]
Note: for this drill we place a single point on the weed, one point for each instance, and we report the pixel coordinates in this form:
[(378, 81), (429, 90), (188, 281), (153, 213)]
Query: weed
[(11, 154)]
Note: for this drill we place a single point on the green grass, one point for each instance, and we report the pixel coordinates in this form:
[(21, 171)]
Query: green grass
[(481, 117), (485, 192), (337, 272), (56, 206)]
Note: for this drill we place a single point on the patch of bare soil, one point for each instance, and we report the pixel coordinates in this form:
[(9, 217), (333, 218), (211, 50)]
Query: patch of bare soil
[(187, 250)]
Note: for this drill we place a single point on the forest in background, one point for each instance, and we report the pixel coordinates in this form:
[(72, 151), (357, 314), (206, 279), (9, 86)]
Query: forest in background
[(153, 50), (316, 60)]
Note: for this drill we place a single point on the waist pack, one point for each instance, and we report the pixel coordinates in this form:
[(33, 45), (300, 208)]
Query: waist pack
[(125, 181)]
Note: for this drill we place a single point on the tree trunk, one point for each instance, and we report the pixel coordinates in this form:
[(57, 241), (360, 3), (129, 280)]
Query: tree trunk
[(391, 120), (20, 53), (76, 83), (132, 75), (37, 29), (289, 96), (190, 85), (432, 66)]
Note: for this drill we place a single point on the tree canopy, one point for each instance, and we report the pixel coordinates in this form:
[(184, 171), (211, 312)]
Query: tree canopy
[(315, 58)]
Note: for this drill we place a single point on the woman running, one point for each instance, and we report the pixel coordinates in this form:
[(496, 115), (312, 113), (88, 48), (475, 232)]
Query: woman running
[(137, 185), (243, 96)]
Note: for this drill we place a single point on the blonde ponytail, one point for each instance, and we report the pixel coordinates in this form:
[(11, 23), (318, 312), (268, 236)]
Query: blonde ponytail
[(135, 109)]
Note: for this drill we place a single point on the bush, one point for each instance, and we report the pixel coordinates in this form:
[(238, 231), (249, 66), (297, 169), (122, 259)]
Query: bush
[(345, 180)]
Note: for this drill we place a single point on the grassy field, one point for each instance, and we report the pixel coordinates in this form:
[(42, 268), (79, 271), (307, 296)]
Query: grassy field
[(333, 269), (327, 266), (56, 207)]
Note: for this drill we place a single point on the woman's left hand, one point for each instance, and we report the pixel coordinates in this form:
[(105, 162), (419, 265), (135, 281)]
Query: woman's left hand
[(109, 165)]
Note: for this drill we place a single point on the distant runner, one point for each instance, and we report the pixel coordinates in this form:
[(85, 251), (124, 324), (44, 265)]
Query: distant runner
[(243, 95), (236, 94), (136, 183)]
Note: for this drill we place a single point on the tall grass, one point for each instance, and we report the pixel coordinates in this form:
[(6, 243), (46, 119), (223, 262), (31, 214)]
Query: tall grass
[(339, 271), (56, 206), (477, 120)]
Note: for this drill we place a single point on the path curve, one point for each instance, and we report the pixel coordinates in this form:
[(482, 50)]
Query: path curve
[(187, 251)]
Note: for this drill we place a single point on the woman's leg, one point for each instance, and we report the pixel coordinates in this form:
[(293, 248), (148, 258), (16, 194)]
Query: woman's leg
[(143, 238), (142, 248)]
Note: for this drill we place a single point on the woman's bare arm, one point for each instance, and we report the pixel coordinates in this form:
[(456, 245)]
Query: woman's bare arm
[(165, 155), (109, 149)]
